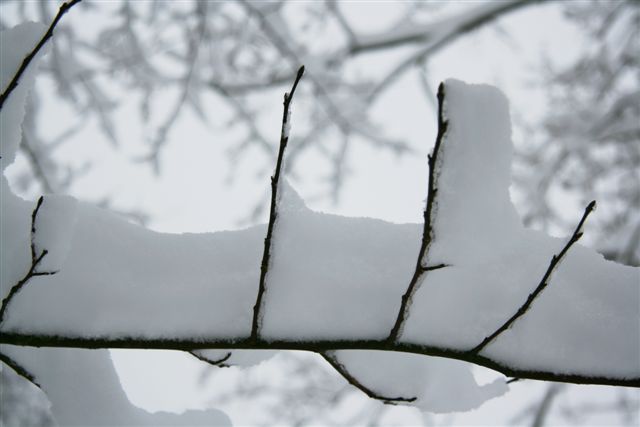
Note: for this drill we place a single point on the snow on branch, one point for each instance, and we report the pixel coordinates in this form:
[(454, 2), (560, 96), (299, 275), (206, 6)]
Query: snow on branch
[(64, 8), (264, 266)]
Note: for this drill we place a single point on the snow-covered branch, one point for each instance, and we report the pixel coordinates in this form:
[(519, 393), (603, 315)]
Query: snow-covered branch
[(333, 282), (273, 214), (64, 8), (428, 232)]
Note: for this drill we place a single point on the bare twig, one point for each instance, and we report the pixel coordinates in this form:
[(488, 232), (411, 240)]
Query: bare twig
[(19, 369), (342, 370), (27, 60), (36, 258), (428, 232), (264, 267), (218, 363), (555, 260)]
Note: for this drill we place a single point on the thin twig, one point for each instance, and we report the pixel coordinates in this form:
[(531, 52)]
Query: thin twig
[(428, 232), (264, 267), (218, 363), (36, 258), (342, 370), (555, 260), (27, 60), (19, 369)]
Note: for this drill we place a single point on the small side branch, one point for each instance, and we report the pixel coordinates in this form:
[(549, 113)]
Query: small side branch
[(264, 267), (19, 369), (333, 361), (427, 233), (555, 260), (27, 60), (214, 362), (36, 258)]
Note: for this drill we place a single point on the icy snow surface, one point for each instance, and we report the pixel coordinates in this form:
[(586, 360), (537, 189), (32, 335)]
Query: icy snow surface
[(334, 277)]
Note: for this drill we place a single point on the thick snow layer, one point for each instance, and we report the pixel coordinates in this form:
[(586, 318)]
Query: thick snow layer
[(15, 44), (120, 279), (335, 277), (84, 390)]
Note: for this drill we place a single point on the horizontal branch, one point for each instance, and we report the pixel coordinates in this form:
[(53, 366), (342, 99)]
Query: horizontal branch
[(317, 346)]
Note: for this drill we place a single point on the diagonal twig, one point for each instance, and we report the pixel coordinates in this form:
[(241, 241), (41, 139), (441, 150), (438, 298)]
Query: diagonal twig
[(27, 60), (264, 267), (19, 369), (555, 260), (342, 370), (428, 232), (36, 258)]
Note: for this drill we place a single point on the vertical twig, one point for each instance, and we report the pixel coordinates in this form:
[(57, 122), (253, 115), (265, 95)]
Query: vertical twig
[(264, 266), (428, 232), (36, 258)]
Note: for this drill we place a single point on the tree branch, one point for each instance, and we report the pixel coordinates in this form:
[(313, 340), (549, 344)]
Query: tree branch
[(454, 26), (27, 60), (428, 232), (19, 369), (264, 267), (317, 346), (555, 260), (36, 258), (342, 370)]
